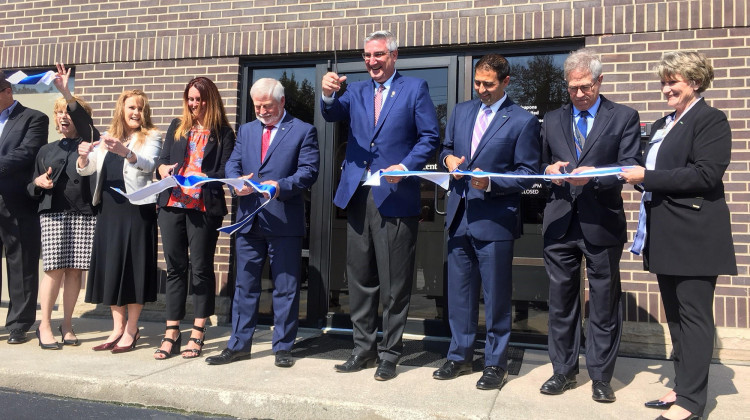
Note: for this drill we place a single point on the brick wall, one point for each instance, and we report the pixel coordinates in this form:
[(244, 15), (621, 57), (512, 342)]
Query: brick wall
[(159, 44)]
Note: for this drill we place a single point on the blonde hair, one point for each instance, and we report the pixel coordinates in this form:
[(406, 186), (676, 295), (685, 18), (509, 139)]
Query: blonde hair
[(62, 105), (117, 128), (690, 65), (215, 116)]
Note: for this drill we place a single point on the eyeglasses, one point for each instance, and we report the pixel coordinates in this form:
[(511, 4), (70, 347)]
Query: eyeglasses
[(585, 88), (378, 55)]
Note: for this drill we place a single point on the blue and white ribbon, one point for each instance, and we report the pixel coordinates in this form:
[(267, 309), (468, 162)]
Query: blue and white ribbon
[(193, 181), (21, 78), (443, 178)]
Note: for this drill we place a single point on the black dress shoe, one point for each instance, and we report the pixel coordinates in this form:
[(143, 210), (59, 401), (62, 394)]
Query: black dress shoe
[(17, 336), (558, 384), (386, 370), (493, 377), (47, 346), (452, 369), (284, 359), (690, 417), (602, 392), (355, 364), (661, 405), (227, 356)]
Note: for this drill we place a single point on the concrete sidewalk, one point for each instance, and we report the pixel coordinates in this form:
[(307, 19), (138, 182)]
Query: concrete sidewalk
[(311, 389)]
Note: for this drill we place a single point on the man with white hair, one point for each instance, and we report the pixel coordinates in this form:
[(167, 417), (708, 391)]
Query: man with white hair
[(279, 150)]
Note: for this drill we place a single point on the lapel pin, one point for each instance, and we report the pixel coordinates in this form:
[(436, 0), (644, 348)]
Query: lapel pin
[(393, 92)]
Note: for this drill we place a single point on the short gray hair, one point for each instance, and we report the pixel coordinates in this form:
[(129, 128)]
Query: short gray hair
[(583, 59), (389, 37), (267, 86), (690, 65)]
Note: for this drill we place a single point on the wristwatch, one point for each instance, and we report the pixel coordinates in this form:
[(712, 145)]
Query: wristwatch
[(130, 153)]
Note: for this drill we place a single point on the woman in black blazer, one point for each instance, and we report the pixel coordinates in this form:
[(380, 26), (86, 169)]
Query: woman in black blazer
[(65, 212), (687, 240), (198, 143)]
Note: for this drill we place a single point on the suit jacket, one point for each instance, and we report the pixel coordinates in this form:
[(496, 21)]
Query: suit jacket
[(509, 145), (689, 229), (218, 149), (292, 160), (24, 134), (406, 133), (136, 175), (614, 140)]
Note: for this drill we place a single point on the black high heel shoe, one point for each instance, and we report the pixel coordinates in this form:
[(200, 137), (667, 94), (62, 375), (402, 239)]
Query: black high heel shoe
[(68, 342), (47, 346), (176, 344), (124, 349), (193, 353)]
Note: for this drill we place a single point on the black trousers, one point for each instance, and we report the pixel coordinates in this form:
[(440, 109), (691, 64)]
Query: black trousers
[(184, 230), (19, 235), (562, 258), (688, 305), (379, 268)]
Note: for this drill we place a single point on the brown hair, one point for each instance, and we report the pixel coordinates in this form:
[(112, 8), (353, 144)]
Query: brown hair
[(215, 116)]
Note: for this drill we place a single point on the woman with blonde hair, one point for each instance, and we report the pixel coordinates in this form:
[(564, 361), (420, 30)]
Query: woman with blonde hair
[(123, 265), (198, 143), (65, 212)]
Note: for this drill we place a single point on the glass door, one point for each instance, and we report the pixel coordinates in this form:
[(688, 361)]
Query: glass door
[(427, 303)]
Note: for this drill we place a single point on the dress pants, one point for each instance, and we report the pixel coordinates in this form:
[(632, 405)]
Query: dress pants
[(19, 235), (472, 262), (379, 268), (193, 230), (688, 305), (562, 258), (284, 253)]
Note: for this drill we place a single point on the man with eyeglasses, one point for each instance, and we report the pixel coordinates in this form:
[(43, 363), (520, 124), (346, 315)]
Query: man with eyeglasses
[(393, 126), (490, 133), (23, 131), (584, 217)]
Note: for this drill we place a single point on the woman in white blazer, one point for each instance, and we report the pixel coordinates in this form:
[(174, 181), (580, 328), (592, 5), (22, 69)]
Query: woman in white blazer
[(123, 271)]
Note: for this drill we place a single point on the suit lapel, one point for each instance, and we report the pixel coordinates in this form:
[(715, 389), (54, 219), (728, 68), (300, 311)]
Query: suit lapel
[(256, 137), (283, 128), (502, 116), (393, 94), (602, 118), (12, 119), (566, 122)]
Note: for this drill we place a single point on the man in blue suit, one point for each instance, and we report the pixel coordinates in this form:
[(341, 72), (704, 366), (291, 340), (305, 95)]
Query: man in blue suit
[(392, 126), (282, 151), (490, 134)]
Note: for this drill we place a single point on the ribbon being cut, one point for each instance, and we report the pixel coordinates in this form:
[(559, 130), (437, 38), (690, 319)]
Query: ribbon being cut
[(443, 178), (194, 181)]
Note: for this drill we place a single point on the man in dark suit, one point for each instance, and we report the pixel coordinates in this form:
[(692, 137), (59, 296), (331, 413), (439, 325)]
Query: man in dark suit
[(491, 134), (23, 132), (392, 126), (584, 217), (279, 150)]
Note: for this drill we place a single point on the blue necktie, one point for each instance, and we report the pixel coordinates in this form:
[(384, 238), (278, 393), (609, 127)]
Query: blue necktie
[(582, 125)]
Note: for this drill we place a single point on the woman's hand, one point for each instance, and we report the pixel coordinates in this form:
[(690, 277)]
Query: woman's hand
[(115, 146), (61, 81), (44, 181), (165, 171), (633, 175), (84, 149)]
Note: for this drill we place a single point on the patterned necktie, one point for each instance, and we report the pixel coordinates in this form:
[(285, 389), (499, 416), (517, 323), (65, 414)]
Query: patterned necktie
[(479, 128), (265, 141), (580, 136), (378, 101)]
